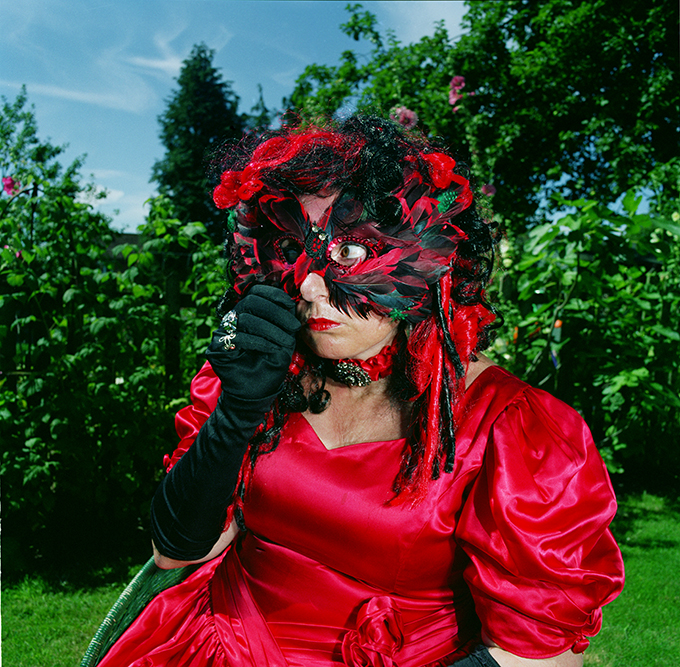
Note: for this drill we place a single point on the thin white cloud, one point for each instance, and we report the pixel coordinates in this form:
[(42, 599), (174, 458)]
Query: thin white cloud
[(286, 78), (94, 196), (19, 17), (132, 100), (114, 70), (221, 39), (169, 61), (113, 196), (169, 66), (103, 174), (411, 20)]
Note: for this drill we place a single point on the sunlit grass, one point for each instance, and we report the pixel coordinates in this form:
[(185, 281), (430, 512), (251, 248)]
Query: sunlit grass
[(642, 626), (51, 624)]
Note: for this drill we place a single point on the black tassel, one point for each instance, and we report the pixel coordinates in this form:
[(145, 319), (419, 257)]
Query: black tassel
[(448, 342), (448, 427)]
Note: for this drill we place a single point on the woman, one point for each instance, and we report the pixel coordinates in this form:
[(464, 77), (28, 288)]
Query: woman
[(365, 487)]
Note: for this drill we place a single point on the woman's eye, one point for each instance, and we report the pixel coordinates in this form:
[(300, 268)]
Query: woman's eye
[(290, 250), (348, 254)]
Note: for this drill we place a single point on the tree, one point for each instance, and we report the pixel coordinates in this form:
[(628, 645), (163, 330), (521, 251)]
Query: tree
[(260, 117), (594, 318), (201, 113), (575, 98), (85, 415), (559, 105)]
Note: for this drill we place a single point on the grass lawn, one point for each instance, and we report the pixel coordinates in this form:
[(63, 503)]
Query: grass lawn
[(642, 626), (50, 625)]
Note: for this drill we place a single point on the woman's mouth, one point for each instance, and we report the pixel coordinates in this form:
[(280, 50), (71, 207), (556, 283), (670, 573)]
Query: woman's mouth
[(321, 324)]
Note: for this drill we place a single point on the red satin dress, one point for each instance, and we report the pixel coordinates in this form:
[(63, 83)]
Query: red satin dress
[(515, 540)]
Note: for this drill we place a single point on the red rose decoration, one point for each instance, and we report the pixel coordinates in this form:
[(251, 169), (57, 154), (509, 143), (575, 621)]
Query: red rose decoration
[(225, 194), (378, 637), (236, 186), (441, 169), (249, 188)]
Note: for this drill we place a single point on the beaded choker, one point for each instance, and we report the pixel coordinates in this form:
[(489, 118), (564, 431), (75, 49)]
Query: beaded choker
[(361, 372)]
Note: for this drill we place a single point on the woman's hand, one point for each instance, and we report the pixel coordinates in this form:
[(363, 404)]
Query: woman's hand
[(252, 362)]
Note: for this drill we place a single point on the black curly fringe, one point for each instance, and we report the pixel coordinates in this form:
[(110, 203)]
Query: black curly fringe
[(370, 163)]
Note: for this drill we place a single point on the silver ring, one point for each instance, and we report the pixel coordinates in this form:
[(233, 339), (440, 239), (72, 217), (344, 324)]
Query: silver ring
[(229, 325)]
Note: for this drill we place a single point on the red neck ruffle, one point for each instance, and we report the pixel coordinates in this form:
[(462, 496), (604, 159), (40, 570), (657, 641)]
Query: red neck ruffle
[(361, 372), (354, 372)]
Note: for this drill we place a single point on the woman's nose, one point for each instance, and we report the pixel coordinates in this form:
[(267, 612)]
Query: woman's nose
[(313, 288)]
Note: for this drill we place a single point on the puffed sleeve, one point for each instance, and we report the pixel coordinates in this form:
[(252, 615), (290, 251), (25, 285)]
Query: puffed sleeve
[(535, 526), (205, 390)]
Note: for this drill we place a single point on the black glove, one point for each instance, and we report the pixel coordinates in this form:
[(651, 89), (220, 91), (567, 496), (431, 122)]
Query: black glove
[(480, 657), (189, 508), (263, 345)]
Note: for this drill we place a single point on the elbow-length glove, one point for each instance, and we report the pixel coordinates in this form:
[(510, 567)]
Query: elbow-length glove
[(251, 360)]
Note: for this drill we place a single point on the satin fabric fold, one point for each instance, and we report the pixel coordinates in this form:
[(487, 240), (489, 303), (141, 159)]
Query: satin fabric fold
[(542, 561), (175, 630)]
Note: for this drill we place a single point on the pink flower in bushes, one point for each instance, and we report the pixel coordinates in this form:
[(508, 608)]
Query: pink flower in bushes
[(457, 83), (405, 117), (488, 190), (456, 86), (10, 186), (454, 98)]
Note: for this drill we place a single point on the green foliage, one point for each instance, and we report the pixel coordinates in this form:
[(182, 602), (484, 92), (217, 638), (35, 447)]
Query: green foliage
[(184, 252), (201, 113), (558, 101), (575, 98), (86, 405), (596, 317), (415, 75)]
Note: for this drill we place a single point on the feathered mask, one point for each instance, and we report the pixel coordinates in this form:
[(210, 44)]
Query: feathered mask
[(379, 256)]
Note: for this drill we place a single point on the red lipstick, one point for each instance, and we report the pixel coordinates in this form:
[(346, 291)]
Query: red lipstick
[(321, 324)]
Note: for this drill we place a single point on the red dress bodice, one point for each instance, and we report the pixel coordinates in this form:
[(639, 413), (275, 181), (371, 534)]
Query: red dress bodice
[(331, 571)]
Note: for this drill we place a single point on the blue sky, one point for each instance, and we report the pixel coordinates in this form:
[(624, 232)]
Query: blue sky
[(99, 71)]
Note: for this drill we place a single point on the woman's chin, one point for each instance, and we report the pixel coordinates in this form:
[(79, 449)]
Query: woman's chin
[(323, 346)]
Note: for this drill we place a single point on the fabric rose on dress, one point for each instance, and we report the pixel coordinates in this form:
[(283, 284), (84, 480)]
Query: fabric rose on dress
[(378, 637), (405, 117)]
